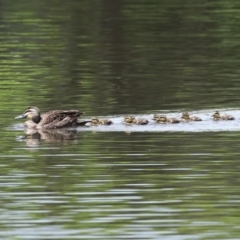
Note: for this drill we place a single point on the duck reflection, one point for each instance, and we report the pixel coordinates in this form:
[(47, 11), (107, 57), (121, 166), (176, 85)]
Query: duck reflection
[(33, 137)]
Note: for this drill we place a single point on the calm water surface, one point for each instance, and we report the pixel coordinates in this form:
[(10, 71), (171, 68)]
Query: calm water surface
[(113, 58)]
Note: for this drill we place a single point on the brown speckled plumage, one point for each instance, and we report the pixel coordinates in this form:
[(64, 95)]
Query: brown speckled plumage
[(50, 120)]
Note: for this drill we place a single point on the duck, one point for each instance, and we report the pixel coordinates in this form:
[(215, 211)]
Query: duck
[(52, 119), (156, 117), (129, 119), (187, 118), (164, 119), (216, 116), (96, 121), (138, 121)]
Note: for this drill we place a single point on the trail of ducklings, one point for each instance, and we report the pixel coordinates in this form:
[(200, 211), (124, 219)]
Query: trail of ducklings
[(163, 121)]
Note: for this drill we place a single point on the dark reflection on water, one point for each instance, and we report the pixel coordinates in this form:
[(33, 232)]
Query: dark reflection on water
[(33, 136), (112, 58)]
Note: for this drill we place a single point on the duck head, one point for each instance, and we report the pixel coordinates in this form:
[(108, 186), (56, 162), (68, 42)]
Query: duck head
[(33, 113)]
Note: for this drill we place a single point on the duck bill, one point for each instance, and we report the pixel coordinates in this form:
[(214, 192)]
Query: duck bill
[(20, 116)]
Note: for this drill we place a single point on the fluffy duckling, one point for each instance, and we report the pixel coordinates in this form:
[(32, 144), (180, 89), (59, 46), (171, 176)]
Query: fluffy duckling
[(216, 116), (160, 118), (140, 121), (105, 121), (187, 118), (156, 117), (129, 119), (164, 119), (96, 121), (133, 120)]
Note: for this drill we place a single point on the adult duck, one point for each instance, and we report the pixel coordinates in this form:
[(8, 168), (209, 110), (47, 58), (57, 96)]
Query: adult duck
[(52, 119)]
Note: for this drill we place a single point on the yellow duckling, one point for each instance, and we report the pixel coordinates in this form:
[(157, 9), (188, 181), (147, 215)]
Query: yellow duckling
[(187, 118), (216, 116)]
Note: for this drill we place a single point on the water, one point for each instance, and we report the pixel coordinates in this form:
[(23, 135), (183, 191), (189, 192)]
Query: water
[(114, 58)]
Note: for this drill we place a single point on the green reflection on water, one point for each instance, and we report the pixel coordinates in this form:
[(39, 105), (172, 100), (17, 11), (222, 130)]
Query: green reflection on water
[(70, 60)]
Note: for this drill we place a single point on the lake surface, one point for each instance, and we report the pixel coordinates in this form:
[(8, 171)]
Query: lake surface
[(112, 59)]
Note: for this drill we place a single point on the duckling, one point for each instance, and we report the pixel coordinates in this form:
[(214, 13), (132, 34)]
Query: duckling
[(160, 118), (186, 118), (164, 119), (156, 117), (173, 120), (138, 121), (105, 121), (96, 121), (216, 116), (129, 119)]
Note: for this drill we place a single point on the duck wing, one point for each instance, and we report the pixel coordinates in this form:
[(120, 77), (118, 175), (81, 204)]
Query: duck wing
[(59, 118)]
